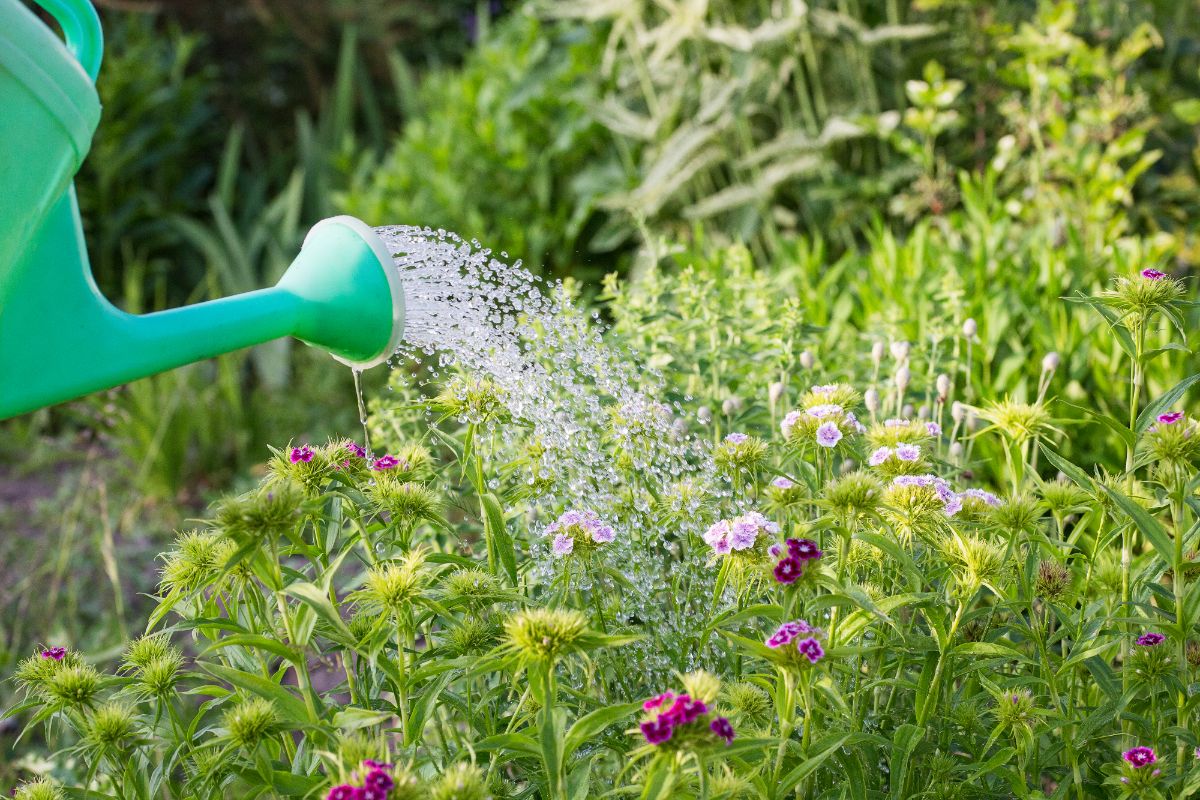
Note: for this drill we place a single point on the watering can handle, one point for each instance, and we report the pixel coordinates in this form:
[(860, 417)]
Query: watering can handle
[(81, 28)]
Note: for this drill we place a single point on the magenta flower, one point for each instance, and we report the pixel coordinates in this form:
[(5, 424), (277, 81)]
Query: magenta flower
[(829, 434), (1153, 274), (775, 550), (369, 793), (372, 764), (1139, 757), (343, 792), (811, 649), (1170, 418), (56, 653), (789, 570), (722, 728), (658, 701), (657, 731), (379, 780), (357, 450), (385, 462), (299, 454), (787, 633), (684, 711), (1151, 639)]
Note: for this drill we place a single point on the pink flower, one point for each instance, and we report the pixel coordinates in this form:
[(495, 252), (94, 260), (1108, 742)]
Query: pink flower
[(1170, 418), (299, 454), (379, 780), (1151, 639), (736, 438), (685, 710), (356, 450), (1153, 274), (723, 729), (879, 456), (385, 462), (56, 653), (659, 701), (933, 429), (342, 792), (908, 452), (782, 483), (811, 649), (369, 793), (1139, 757), (788, 570)]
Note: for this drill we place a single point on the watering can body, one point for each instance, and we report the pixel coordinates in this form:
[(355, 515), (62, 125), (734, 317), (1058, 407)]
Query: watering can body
[(59, 337)]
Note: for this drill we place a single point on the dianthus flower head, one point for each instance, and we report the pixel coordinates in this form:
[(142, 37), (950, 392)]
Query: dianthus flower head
[(826, 410), (1151, 639), (880, 455), (908, 452), (787, 633), (55, 653), (736, 438), (811, 649), (1170, 418), (384, 463), (788, 570), (685, 710), (723, 729), (379, 780), (657, 731), (1139, 757), (782, 483), (562, 545), (933, 428), (659, 701), (299, 454), (1153, 274), (829, 434), (803, 549), (356, 449), (343, 792)]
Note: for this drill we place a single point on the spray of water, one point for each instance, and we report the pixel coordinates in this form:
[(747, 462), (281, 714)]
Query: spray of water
[(605, 442)]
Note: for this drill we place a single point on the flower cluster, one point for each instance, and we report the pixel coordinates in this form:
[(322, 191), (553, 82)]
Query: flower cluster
[(55, 653), (902, 452), (377, 782), (583, 529), (805, 637), (669, 713), (952, 502), (739, 451), (1151, 639), (1139, 757), (738, 534), (298, 454), (791, 564), (824, 418)]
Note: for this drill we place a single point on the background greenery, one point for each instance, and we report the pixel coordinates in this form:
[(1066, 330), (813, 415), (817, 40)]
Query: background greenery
[(766, 178)]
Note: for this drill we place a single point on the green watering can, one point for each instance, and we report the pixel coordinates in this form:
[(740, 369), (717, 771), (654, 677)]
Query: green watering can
[(59, 337)]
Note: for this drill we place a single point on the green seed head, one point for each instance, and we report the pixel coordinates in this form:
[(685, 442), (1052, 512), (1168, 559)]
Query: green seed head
[(840, 394), (1063, 497), (1017, 514), (264, 514), (1018, 422), (408, 503), (160, 675), (111, 728), (974, 561), (392, 587), (472, 636), (701, 685), (33, 674), (460, 782), (749, 704), (250, 722), (473, 586), (146, 649), (1053, 581), (194, 562), (854, 495), (1138, 299), (732, 458), (473, 401), (41, 789), (1174, 446), (545, 634), (73, 686)]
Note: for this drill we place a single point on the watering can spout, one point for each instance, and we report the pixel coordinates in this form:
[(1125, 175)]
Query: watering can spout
[(61, 339)]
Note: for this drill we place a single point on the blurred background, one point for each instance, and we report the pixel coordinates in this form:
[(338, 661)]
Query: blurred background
[(1037, 146)]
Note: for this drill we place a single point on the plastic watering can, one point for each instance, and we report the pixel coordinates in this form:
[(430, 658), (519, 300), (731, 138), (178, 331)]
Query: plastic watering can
[(59, 337)]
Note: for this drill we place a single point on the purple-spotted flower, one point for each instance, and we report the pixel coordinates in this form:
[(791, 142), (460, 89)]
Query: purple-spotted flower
[(1170, 418), (723, 729), (356, 449), (789, 570), (1153, 274), (811, 649), (55, 653), (343, 792), (829, 434), (578, 527), (1151, 639), (299, 454), (787, 633), (384, 463), (1139, 757)]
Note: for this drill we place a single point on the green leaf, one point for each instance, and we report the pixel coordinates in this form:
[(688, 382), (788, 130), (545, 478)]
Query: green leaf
[(259, 642), (422, 708), (497, 533), (1077, 476), (512, 742), (1164, 402), (592, 724), (1126, 435), (828, 747), (352, 719), (290, 706), (318, 601), (1148, 525), (903, 744)]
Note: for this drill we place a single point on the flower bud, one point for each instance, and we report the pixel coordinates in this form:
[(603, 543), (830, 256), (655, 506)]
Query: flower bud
[(871, 400), (806, 360), (732, 405), (877, 353), (906, 411), (958, 411), (923, 412), (970, 328), (902, 378), (900, 350), (775, 392), (679, 428), (943, 386), (956, 451), (1050, 362), (704, 415)]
